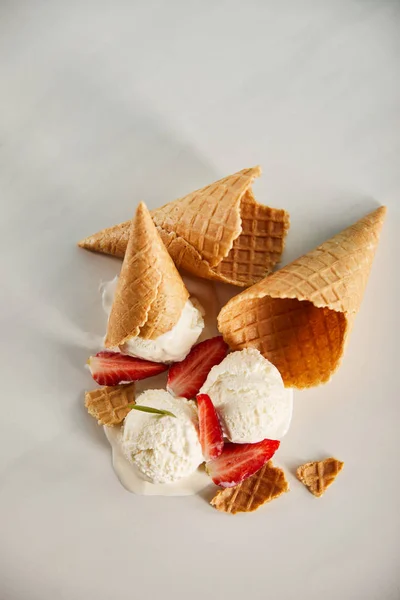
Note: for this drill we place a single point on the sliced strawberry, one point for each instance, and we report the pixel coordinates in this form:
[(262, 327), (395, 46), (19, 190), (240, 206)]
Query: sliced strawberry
[(110, 368), (186, 378), (211, 438), (239, 461)]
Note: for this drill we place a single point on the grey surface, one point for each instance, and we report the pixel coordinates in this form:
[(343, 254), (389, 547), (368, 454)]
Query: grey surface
[(104, 104)]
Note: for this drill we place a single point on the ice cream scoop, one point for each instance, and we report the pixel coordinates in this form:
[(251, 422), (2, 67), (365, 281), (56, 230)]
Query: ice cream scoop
[(164, 448), (250, 398)]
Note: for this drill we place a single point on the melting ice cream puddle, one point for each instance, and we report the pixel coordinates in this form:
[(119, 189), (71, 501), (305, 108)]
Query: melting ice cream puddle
[(129, 476), (133, 480)]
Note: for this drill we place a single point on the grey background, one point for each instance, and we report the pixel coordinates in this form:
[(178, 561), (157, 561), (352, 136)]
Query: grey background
[(105, 104)]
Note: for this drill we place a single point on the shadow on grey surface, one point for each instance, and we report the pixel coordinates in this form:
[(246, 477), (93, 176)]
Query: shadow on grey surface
[(145, 161), (208, 493), (310, 229), (86, 423)]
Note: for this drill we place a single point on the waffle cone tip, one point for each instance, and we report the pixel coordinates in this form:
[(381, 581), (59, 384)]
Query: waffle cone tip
[(150, 294)]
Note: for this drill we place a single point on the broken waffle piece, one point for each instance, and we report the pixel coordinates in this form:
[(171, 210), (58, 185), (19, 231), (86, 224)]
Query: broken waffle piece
[(110, 404), (319, 475), (262, 487)]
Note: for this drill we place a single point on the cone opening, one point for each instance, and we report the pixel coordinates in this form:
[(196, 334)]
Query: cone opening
[(304, 342)]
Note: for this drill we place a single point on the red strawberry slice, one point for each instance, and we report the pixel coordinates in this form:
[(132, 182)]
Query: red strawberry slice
[(211, 438), (186, 378), (239, 461), (110, 368)]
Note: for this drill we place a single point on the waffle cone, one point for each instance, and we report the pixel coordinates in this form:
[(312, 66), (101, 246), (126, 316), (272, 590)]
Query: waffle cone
[(150, 294), (218, 232), (319, 475), (300, 317), (262, 487), (109, 404)]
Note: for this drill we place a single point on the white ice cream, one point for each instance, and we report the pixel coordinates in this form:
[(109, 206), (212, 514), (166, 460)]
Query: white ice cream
[(250, 398), (172, 346), (163, 448)]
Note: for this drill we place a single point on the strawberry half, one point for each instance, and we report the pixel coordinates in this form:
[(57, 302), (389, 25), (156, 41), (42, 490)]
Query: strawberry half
[(239, 461), (110, 368), (185, 378), (211, 438)]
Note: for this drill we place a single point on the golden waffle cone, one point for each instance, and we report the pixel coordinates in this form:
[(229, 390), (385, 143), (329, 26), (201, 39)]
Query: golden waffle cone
[(109, 404), (218, 232), (265, 485), (150, 294), (317, 476), (300, 317)]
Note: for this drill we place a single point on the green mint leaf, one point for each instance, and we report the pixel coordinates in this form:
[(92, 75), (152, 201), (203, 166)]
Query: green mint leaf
[(154, 411)]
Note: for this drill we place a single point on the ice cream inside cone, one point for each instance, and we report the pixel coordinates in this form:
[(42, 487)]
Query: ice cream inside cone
[(151, 315)]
